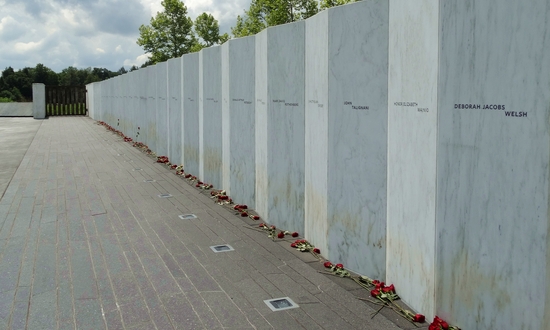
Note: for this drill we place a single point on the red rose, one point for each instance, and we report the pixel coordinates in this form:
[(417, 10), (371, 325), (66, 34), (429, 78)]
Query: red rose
[(255, 217), (316, 250), (244, 214), (392, 288), (261, 225), (200, 182), (374, 293), (339, 266), (386, 289), (295, 234), (380, 285), (327, 264), (198, 185), (418, 318), (293, 245), (281, 235), (434, 326), (444, 325), (375, 282)]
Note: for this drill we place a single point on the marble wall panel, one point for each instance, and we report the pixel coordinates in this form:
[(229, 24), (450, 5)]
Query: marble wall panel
[(412, 134), (141, 90), (226, 124), (134, 99), (316, 131), (238, 119), (190, 79), (210, 116), (285, 126), (260, 123), (162, 109), (175, 111), (151, 92), (90, 100), (492, 165), (347, 104)]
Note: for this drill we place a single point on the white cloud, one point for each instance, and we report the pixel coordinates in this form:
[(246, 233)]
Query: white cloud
[(22, 47), (98, 33)]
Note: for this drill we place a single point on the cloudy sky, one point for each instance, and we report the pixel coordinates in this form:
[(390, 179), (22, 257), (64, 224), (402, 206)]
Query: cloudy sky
[(88, 33)]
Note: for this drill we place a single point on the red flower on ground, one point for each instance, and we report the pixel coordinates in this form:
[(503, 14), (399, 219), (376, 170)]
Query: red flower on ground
[(273, 227), (327, 264), (281, 235), (198, 185), (419, 318), (256, 217), (293, 245), (339, 266), (316, 250), (261, 225), (244, 214), (295, 234), (387, 289), (374, 293)]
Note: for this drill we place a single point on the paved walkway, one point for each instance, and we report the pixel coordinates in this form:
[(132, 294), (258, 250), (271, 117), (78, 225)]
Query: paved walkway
[(86, 243)]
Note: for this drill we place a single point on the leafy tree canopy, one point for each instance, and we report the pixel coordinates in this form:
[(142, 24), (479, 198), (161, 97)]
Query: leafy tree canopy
[(170, 33), (16, 86), (265, 13)]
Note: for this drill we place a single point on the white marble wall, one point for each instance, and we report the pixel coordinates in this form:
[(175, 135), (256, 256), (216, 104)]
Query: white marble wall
[(190, 79), (412, 133), (492, 179), (260, 123), (238, 116), (39, 101), (210, 116), (283, 139), (151, 92), (346, 122), (162, 109), (141, 122), (175, 112)]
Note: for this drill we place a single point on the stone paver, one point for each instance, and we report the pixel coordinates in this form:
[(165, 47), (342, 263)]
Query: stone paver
[(86, 243)]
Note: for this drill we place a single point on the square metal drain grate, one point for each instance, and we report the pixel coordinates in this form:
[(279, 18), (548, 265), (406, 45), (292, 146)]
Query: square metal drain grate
[(280, 304), (149, 180), (222, 248), (187, 216), (165, 195)]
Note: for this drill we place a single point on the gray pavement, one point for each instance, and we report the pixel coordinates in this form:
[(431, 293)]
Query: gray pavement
[(85, 243)]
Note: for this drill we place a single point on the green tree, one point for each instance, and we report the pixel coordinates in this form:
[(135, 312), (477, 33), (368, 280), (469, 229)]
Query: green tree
[(170, 33), (325, 4), (264, 13), (45, 75), (207, 28)]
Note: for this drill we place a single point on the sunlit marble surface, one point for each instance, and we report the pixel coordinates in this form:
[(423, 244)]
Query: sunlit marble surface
[(492, 247), (151, 110), (412, 134), (283, 138), (346, 109), (190, 96), (162, 109), (174, 111), (238, 58), (210, 116)]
